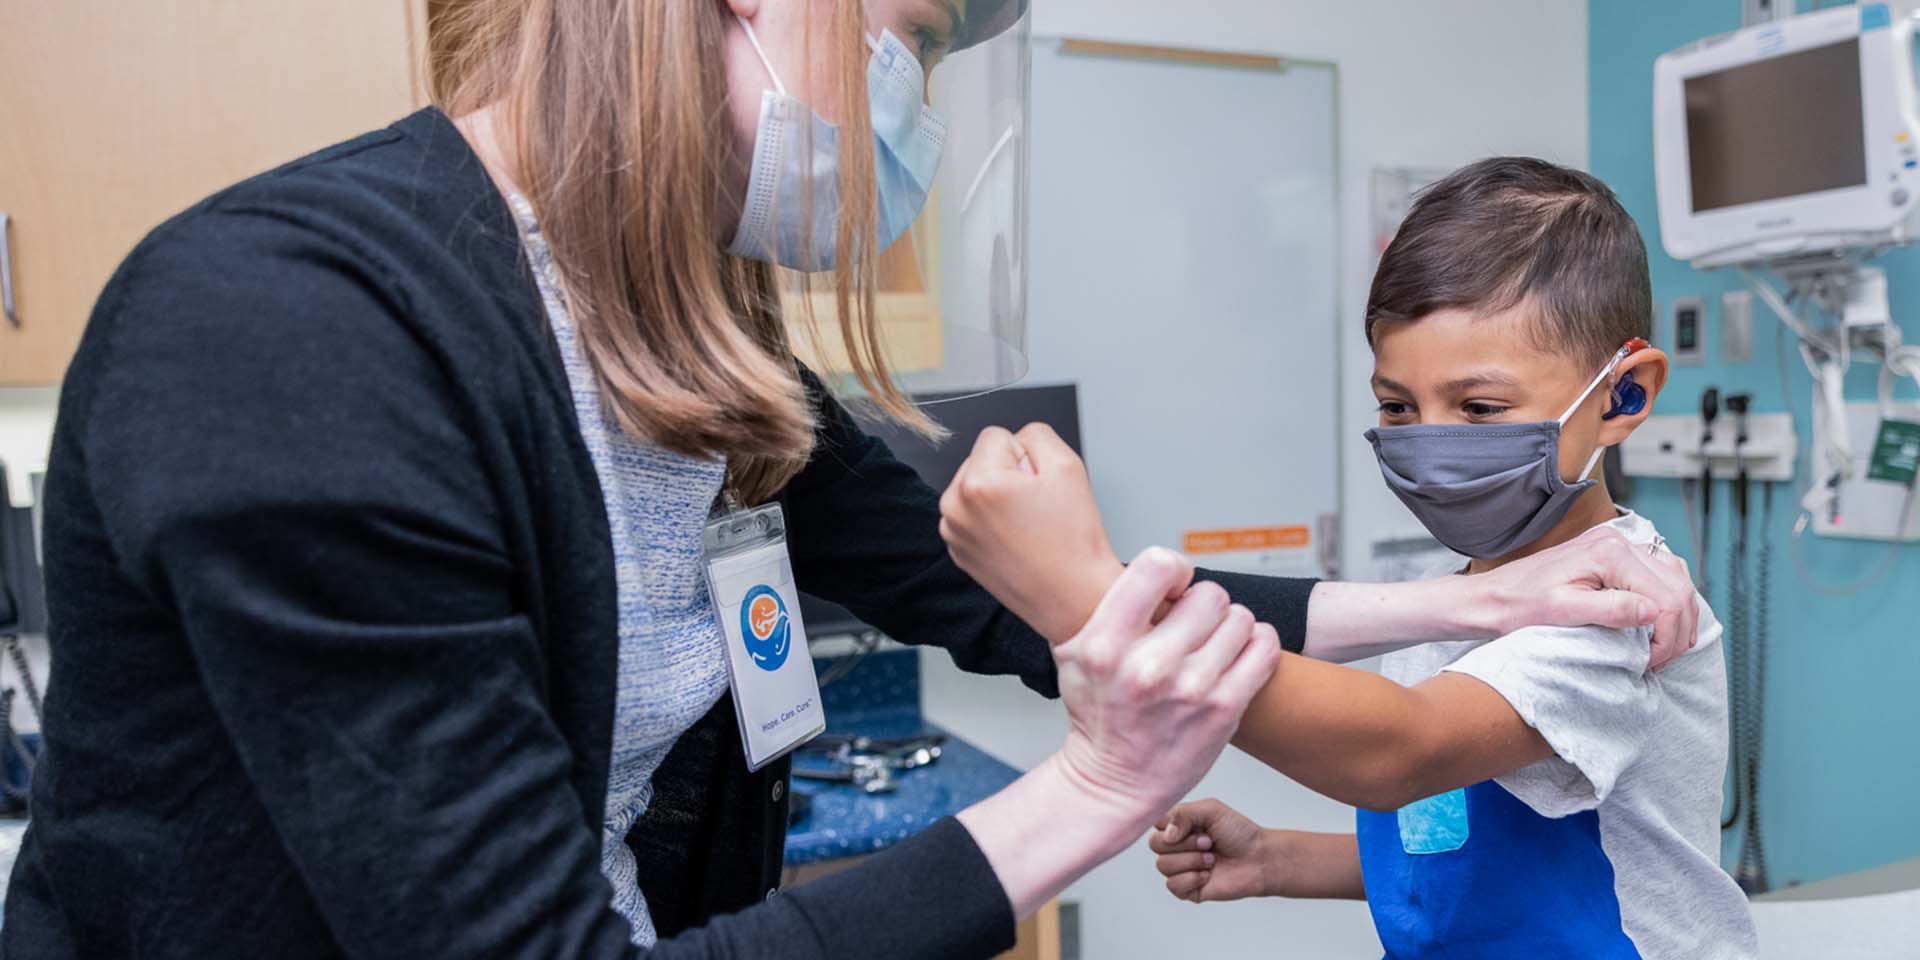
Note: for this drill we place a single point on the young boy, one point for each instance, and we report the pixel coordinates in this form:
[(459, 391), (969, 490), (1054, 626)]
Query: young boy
[(1539, 795)]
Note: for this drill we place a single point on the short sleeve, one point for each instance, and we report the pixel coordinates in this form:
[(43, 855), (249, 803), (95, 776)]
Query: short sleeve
[(1587, 692)]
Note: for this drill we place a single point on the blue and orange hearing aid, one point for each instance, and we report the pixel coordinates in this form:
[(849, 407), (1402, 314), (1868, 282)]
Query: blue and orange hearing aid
[(1628, 397)]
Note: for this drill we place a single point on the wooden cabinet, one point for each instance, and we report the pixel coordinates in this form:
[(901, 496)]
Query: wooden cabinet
[(1038, 937), (906, 301), (115, 115)]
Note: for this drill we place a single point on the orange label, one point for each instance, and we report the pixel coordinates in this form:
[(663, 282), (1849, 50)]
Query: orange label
[(1245, 538)]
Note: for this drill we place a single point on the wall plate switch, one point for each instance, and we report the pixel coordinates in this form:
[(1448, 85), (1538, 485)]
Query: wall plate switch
[(1736, 326), (1686, 334)]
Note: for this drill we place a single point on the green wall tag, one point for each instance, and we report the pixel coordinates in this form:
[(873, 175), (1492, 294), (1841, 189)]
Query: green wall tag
[(1896, 453)]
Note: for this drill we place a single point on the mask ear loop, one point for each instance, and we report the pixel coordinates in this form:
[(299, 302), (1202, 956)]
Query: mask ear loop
[(778, 87), (1618, 356), (1605, 372)]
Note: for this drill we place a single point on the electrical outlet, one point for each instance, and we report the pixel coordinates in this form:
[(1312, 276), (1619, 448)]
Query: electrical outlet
[(1686, 339), (1736, 326)]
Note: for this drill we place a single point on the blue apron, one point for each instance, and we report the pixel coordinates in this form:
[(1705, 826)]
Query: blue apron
[(1475, 873)]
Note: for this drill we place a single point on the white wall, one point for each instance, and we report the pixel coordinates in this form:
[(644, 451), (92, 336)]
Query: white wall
[(1421, 84)]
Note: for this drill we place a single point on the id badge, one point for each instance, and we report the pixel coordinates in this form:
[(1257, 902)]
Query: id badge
[(776, 696)]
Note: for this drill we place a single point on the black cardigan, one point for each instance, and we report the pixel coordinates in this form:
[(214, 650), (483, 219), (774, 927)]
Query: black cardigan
[(333, 622)]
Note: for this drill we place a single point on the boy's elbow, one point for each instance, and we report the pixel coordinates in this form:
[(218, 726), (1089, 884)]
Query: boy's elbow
[(1388, 781)]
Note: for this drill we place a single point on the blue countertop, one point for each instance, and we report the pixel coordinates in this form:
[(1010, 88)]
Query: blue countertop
[(882, 701), (845, 821)]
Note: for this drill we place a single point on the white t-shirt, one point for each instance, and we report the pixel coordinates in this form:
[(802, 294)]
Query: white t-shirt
[(1641, 756)]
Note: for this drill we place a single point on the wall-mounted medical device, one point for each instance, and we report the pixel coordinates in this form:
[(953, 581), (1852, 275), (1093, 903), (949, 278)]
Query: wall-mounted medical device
[(1684, 336), (1796, 137), (1670, 446)]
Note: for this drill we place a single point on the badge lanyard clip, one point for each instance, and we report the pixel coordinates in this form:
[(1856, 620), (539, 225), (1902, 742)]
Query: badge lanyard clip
[(776, 696)]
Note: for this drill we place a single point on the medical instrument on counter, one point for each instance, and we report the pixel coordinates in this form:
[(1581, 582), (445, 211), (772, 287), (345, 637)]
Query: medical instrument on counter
[(866, 762)]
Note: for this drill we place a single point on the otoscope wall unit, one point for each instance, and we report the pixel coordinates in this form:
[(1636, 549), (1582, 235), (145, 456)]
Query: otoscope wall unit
[(1867, 505), (1670, 446)]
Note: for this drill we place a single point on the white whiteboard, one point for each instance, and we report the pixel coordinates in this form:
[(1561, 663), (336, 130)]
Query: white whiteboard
[(1184, 272)]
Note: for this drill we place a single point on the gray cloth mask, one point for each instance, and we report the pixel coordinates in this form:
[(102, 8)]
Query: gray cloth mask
[(1484, 490)]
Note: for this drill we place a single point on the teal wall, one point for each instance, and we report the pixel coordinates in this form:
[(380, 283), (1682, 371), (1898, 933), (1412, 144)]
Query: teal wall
[(1841, 764)]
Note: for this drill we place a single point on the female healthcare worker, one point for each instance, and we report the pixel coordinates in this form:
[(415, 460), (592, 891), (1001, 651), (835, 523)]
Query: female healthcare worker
[(375, 518)]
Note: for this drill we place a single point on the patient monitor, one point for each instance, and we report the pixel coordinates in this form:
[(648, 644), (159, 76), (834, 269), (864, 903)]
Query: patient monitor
[(1798, 137)]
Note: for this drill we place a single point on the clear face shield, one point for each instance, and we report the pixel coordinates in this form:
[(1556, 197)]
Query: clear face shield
[(952, 290)]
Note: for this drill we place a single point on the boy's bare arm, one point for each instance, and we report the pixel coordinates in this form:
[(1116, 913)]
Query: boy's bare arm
[(1209, 851), (1363, 739), (1322, 866)]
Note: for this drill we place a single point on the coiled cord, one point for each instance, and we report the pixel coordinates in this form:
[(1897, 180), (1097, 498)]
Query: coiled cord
[(18, 654), (1735, 644), (1751, 870)]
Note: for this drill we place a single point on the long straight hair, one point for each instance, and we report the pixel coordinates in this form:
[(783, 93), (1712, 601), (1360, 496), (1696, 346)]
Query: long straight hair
[(618, 110)]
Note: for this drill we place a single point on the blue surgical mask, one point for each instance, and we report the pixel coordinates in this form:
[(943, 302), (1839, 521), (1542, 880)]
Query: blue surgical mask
[(1485, 489), (796, 162)]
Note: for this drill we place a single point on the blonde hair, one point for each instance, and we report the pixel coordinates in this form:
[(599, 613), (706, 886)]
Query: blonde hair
[(617, 110)]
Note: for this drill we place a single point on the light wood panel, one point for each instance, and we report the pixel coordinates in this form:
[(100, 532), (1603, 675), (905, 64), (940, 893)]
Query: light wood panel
[(1038, 937), (1141, 51), (114, 115), (906, 303), (1035, 938)]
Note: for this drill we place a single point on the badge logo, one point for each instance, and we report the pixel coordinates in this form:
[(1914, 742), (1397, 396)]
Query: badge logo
[(765, 627)]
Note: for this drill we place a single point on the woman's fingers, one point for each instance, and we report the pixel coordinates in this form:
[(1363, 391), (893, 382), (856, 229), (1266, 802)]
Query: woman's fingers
[(1686, 629), (1662, 588), (1601, 578), (1253, 668), (1199, 619), (1129, 606), (1204, 666)]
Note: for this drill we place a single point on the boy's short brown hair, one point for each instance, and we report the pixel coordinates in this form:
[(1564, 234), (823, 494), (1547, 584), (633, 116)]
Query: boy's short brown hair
[(1510, 230)]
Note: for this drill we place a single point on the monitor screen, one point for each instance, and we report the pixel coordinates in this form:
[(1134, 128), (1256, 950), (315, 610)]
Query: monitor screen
[(1781, 127)]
